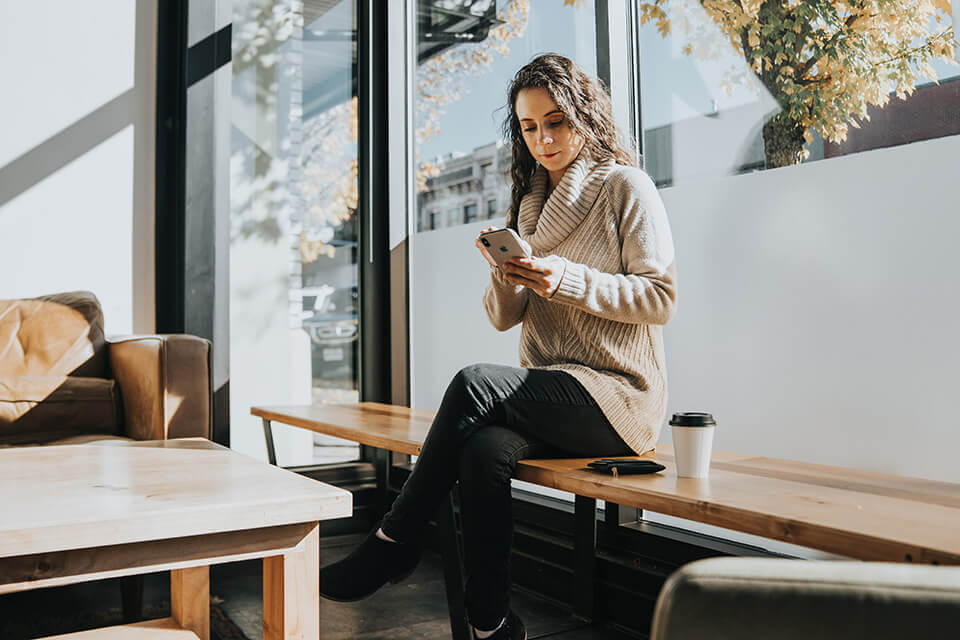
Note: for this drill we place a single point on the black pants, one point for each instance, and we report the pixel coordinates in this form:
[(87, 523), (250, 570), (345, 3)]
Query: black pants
[(490, 417)]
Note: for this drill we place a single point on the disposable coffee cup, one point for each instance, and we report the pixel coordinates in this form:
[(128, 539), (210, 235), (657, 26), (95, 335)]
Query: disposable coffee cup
[(692, 443)]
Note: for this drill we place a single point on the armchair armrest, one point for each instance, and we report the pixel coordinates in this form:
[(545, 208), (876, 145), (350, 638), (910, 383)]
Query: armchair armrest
[(723, 598), (166, 385)]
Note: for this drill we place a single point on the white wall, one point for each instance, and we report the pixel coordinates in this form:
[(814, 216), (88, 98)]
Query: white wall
[(818, 306), (77, 153)]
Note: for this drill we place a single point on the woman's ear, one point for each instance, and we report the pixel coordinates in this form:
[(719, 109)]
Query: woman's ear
[(583, 142)]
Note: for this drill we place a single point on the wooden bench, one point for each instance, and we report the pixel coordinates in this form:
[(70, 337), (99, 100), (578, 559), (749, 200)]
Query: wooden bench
[(859, 514)]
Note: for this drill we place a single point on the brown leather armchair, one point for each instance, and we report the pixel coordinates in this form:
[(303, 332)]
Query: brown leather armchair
[(62, 381)]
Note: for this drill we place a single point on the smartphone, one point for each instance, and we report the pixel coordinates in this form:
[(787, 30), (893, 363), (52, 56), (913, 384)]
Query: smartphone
[(503, 244)]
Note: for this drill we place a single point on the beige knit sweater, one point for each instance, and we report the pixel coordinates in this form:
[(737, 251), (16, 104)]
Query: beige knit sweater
[(603, 324)]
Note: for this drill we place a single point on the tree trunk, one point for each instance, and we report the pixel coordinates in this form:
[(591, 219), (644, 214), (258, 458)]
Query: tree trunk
[(782, 142)]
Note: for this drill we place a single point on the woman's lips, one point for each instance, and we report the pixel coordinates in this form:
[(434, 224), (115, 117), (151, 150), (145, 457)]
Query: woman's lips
[(550, 155)]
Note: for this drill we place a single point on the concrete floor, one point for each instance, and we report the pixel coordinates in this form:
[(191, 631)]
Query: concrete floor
[(416, 608)]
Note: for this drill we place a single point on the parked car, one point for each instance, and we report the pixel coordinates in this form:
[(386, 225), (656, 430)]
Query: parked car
[(334, 333)]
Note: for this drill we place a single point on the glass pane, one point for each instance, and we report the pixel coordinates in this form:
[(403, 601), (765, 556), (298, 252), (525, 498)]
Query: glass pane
[(467, 53), (293, 262), (727, 92)]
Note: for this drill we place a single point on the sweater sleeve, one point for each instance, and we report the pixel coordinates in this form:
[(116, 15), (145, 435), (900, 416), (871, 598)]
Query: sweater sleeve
[(505, 303), (646, 292)]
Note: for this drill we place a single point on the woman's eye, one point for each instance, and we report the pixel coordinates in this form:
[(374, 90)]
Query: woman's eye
[(528, 129), (556, 123)]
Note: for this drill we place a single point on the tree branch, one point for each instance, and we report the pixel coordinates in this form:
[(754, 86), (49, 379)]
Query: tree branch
[(909, 52), (806, 82), (802, 71)]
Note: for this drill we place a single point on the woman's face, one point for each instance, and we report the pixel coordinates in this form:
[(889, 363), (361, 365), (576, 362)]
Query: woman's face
[(546, 131)]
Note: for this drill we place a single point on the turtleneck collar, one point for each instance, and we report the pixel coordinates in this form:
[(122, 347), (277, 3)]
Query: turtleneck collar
[(546, 224)]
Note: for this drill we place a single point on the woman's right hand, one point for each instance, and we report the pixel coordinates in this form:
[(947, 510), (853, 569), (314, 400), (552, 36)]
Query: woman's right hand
[(483, 249)]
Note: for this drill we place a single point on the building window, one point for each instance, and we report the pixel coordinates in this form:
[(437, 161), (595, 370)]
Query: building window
[(470, 213), (491, 208)]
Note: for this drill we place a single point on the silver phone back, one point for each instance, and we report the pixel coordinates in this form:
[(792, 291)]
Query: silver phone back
[(503, 245)]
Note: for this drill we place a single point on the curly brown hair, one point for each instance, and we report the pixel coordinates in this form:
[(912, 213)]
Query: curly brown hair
[(584, 102)]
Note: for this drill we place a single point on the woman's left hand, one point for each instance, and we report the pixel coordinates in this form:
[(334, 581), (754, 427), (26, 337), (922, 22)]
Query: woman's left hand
[(542, 275)]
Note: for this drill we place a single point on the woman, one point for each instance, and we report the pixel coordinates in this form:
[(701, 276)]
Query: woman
[(591, 300)]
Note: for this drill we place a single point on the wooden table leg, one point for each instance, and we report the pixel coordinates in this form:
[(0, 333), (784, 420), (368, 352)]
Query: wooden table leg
[(190, 599), (291, 592)]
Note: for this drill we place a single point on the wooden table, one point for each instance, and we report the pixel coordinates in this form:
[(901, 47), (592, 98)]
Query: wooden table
[(860, 514), (87, 512)]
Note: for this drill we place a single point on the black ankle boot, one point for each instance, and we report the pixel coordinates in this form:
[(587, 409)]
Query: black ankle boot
[(512, 629), (367, 568)]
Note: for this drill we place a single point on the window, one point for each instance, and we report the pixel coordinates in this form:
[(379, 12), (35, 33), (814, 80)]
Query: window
[(470, 213), (487, 179), (467, 53), (294, 206), (707, 112)]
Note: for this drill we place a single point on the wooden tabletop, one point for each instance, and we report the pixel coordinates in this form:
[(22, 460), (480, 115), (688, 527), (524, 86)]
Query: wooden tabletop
[(386, 426), (55, 498), (860, 514)]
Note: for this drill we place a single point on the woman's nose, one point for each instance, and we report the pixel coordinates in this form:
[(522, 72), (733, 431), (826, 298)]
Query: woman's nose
[(546, 139)]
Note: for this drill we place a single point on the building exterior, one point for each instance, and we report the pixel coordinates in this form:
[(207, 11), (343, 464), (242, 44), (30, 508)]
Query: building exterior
[(468, 188), (932, 111)]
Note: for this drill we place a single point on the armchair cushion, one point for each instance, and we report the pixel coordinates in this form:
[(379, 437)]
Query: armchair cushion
[(53, 335), (724, 598), (37, 409)]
